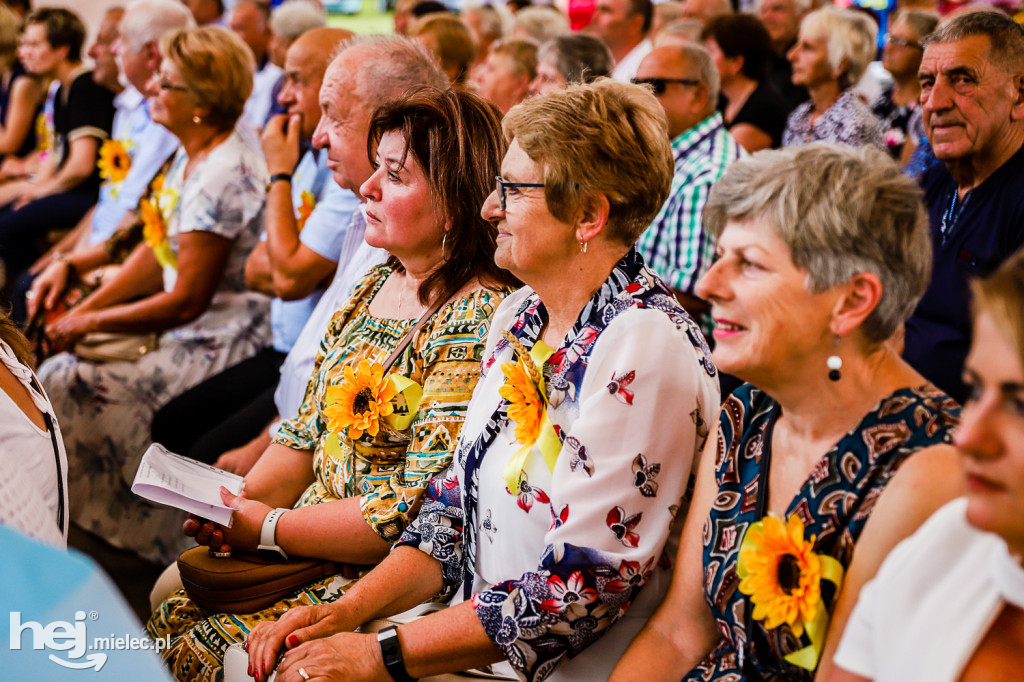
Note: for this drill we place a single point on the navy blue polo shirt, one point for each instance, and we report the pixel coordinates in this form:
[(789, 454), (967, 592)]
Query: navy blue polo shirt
[(988, 230)]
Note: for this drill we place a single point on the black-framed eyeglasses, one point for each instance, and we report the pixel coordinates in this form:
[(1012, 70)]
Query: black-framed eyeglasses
[(659, 85), (502, 185), (902, 42)]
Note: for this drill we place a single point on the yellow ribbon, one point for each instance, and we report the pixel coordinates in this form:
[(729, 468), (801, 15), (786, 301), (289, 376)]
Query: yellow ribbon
[(547, 440), (808, 657), (406, 401), (165, 255)]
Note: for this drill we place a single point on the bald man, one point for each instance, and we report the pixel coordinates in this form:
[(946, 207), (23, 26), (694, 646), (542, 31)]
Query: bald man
[(250, 21), (307, 216)]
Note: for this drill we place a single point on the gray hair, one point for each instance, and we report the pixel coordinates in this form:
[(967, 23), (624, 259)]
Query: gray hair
[(541, 23), (579, 57), (394, 64), (707, 74), (295, 17), (686, 29), (841, 211), (799, 6), (1006, 37), (923, 22), (492, 20), (851, 36), (146, 21)]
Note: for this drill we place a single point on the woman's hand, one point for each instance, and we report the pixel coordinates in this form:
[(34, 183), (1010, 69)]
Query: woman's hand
[(246, 524), (347, 656), (47, 288), (69, 329), (296, 627)]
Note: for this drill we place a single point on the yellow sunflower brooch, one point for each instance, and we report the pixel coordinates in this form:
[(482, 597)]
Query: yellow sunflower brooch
[(305, 209), (114, 161), (782, 574), (361, 400)]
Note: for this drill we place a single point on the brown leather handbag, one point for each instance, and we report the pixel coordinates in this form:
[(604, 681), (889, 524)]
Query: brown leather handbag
[(247, 583)]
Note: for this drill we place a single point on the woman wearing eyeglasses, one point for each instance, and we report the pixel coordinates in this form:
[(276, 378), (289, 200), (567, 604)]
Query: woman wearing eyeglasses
[(549, 528), (902, 58), (186, 283)]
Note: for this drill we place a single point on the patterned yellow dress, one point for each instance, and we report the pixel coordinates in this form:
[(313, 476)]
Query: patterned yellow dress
[(388, 472)]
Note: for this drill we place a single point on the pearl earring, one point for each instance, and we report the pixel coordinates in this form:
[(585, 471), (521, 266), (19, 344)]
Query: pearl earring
[(195, 119)]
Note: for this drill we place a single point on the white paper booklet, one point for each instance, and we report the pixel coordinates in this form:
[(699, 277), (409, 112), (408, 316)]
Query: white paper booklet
[(184, 483)]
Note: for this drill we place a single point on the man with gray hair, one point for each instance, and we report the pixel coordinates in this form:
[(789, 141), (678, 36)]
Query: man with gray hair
[(972, 100), (686, 84)]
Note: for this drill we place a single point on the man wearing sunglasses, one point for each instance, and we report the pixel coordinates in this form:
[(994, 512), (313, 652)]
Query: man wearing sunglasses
[(684, 79)]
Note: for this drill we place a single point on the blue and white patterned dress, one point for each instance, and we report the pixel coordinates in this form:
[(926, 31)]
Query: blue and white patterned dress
[(834, 503), (553, 567), (106, 409)]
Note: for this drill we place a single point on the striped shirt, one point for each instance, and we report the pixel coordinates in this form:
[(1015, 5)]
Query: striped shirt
[(676, 245)]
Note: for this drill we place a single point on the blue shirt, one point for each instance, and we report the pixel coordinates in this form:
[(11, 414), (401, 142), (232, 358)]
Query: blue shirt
[(323, 232), (988, 229), (148, 145)]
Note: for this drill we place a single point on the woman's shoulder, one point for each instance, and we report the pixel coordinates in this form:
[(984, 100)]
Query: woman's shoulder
[(468, 315), (237, 158), (926, 414)]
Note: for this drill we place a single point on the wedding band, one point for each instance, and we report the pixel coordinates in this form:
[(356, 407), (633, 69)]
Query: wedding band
[(220, 555), (303, 674)]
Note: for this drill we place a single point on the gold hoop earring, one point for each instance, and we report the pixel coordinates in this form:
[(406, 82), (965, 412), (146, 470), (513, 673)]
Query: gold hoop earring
[(444, 246), (583, 246)]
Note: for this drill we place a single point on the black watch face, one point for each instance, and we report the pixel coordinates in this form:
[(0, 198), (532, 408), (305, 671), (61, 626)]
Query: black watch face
[(270, 554)]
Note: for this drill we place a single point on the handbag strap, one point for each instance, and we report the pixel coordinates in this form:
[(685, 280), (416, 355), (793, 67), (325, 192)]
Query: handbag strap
[(56, 454), (407, 339)]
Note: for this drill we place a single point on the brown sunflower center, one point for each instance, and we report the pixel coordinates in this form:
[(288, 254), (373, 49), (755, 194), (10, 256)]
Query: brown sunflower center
[(788, 573), (362, 401)]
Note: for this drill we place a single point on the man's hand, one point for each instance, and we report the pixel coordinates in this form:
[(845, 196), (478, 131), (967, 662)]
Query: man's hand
[(281, 146)]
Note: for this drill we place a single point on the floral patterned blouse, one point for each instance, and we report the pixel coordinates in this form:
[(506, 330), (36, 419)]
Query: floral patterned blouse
[(834, 503), (551, 567), (848, 121), (389, 471)]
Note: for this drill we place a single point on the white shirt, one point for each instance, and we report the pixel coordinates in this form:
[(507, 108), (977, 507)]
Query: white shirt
[(32, 486), (357, 257), (625, 69), (257, 107), (933, 600)]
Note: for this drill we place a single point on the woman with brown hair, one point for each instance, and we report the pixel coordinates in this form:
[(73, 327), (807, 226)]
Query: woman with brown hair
[(346, 474)]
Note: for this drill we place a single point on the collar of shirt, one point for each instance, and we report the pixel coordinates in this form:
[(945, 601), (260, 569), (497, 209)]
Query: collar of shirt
[(687, 140)]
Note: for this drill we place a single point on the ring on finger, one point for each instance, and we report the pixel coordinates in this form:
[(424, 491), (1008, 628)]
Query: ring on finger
[(303, 674)]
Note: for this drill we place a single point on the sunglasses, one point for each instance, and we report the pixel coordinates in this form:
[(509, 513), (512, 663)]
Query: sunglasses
[(659, 85), (503, 185)]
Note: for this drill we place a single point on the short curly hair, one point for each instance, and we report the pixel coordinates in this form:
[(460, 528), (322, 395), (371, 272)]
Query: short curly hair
[(602, 138), (841, 211)]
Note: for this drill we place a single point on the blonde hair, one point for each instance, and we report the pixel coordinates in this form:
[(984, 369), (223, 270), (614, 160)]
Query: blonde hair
[(603, 138), (841, 211), (540, 23), (1002, 297), (849, 35), (10, 28), (522, 54), (455, 46), (217, 68)]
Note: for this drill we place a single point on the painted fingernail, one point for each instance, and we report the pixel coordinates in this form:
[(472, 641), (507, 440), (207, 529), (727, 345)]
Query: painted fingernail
[(293, 641), (250, 670), (246, 645)]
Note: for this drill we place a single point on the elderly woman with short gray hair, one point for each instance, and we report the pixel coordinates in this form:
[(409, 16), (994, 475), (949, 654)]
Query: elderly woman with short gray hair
[(550, 524), (832, 52), (823, 251)]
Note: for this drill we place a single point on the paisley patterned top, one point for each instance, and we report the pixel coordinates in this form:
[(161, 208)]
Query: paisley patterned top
[(554, 566), (834, 504), (390, 471)]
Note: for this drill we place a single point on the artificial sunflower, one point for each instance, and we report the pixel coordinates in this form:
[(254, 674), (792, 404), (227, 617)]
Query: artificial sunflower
[(152, 224), (525, 403), (359, 403), (114, 161), (780, 572), (305, 208)]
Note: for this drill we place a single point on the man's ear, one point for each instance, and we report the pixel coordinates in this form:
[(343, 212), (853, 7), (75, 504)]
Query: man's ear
[(152, 53), (594, 218), (1017, 110)]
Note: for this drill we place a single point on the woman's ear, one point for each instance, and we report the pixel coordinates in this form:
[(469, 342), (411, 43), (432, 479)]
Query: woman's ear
[(858, 299), (594, 218), (844, 67)]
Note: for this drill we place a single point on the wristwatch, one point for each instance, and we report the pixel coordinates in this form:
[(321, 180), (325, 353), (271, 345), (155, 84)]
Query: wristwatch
[(268, 536), (276, 177), (391, 652)]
